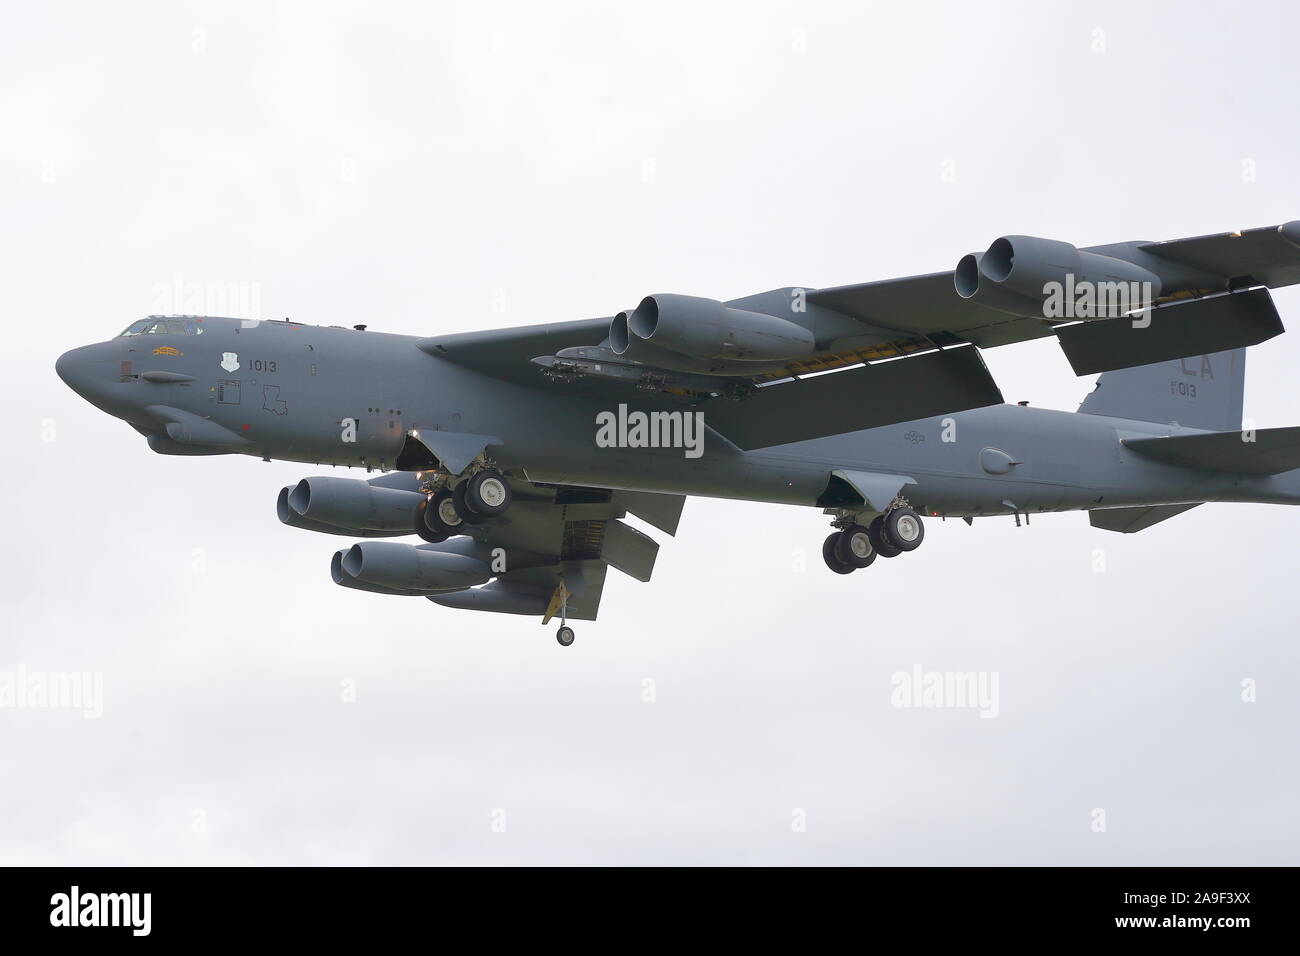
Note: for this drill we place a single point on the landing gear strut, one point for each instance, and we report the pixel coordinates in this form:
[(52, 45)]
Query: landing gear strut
[(888, 535), (565, 634), (449, 510)]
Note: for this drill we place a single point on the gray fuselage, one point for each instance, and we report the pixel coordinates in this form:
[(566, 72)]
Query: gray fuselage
[(286, 391)]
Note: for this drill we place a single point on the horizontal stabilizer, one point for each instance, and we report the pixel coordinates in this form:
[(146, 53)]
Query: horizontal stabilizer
[(869, 396), (1195, 327), (1129, 520), (1265, 451)]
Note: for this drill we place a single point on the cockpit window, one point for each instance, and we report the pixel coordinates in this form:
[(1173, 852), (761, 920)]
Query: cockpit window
[(156, 326)]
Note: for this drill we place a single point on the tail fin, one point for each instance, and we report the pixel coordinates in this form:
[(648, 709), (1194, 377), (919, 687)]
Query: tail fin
[(1203, 391)]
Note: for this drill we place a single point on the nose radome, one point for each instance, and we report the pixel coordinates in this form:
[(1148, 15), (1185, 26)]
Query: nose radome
[(68, 365), (89, 371)]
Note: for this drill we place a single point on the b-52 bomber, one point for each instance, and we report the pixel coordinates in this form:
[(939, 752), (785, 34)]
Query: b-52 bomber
[(514, 454)]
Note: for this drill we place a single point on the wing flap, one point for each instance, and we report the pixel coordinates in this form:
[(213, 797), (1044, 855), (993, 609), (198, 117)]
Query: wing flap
[(869, 396), (629, 550), (660, 511), (1194, 327)]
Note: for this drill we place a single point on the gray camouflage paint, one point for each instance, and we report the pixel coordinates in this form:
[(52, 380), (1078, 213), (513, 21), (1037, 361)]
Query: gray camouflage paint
[(297, 385)]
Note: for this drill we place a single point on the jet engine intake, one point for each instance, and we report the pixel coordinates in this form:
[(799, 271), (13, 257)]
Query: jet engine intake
[(1047, 278), (348, 504)]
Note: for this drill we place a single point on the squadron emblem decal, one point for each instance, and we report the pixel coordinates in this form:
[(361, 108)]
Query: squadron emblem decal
[(230, 361), (167, 350)]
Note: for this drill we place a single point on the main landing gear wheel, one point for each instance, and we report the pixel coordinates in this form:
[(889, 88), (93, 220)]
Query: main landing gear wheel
[(904, 528), (853, 547), (880, 541), (440, 516), (488, 493), (564, 635), (420, 523), (830, 554), (460, 502)]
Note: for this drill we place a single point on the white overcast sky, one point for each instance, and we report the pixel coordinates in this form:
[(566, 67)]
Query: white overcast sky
[(429, 168)]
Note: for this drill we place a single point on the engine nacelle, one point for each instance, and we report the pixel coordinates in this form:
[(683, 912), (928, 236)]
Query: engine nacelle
[(496, 597), (1290, 231), (348, 505), (1047, 278), (294, 520), (387, 567), (705, 329)]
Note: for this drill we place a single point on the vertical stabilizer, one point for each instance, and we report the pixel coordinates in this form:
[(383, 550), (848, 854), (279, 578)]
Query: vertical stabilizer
[(1203, 391)]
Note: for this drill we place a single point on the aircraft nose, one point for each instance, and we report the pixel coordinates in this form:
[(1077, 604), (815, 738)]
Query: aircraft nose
[(95, 372), (63, 367), (74, 367)]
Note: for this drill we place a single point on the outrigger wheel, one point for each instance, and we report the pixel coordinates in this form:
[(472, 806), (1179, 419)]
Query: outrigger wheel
[(853, 547), (830, 554), (488, 493), (564, 635)]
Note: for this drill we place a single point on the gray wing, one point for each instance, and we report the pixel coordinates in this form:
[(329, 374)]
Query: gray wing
[(1199, 290)]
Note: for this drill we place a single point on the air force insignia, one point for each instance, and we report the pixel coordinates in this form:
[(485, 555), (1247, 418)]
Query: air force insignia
[(230, 361)]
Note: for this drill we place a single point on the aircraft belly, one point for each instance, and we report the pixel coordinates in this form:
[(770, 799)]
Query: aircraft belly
[(668, 471)]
